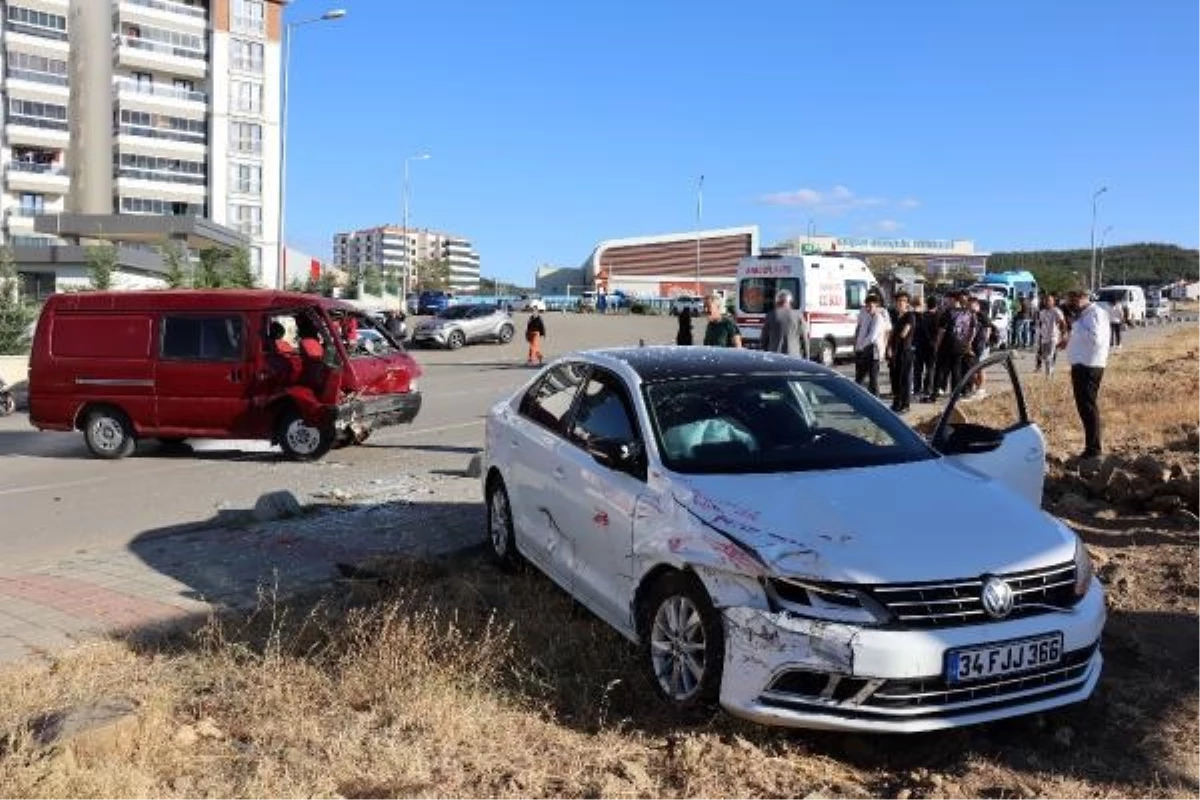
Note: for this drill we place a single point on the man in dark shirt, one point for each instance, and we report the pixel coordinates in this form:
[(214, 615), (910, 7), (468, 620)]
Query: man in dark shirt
[(900, 354), (721, 331), (923, 339)]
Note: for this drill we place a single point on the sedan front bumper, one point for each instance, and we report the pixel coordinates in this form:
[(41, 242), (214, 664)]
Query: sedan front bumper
[(786, 670)]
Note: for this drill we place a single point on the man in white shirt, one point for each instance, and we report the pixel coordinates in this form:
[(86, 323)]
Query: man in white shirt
[(869, 337), (1087, 353)]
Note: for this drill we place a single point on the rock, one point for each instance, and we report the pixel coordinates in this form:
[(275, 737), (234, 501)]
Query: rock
[(1099, 482), (208, 729), (1090, 467), (1166, 503), (1178, 471), (1120, 489), (904, 794), (97, 732), (1151, 469), (277, 505), (1106, 513), (475, 467), (1075, 503), (1064, 736), (186, 736), (935, 780), (1193, 437)]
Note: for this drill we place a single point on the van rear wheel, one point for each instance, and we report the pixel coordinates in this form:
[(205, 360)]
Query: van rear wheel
[(301, 441), (108, 433)]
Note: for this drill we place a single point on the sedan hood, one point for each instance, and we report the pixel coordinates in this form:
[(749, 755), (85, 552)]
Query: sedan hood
[(924, 521)]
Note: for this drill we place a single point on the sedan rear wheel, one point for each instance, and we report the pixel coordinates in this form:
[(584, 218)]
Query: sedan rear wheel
[(506, 334), (683, 643)]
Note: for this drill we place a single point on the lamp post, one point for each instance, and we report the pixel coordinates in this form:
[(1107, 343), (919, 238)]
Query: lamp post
[(699, 214), (281, 264), (1103, 236), (407, 264), (1095, 200)]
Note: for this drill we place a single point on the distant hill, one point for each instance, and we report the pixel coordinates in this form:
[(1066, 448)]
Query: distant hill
[(1128, 263)]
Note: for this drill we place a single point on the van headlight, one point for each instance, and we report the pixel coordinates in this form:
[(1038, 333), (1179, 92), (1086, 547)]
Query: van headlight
[(1083, 569), (824, 601)]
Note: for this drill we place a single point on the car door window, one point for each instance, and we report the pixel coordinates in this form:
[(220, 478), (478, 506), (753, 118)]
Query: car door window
[(202, 337), (549, 400), (603, 412)]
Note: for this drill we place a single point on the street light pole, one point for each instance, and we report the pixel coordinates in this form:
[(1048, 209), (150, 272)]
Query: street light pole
[(407, 263), (1095, 200), (281, 259), (699, 214), (1103, 236)]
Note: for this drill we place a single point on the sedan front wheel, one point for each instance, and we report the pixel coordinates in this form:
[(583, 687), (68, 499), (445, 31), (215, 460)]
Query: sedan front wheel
[(501, 534), (683, 643)]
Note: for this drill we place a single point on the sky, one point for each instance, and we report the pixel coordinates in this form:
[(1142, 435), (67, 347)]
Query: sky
[(552, 126)]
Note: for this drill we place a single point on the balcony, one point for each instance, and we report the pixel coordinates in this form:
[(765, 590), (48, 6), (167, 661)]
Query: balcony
[(37, 131), (136, 52), (169, 7), (40, 31), (33, 177), (128, 87), (36, 76), (161, 176)]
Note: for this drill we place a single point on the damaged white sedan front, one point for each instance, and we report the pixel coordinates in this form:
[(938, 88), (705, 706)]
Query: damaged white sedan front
[(779, 542)]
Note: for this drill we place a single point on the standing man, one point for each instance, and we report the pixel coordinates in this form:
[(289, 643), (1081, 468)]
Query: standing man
[(783, 331), (900, 354), (1087, 353), (867, 340), (1051, 326), (721, 330)]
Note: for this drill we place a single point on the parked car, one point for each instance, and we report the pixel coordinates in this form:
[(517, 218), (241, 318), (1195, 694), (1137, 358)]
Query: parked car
[(466, 324), (531, 302), (740, 515), (247, 364), (1158, 305), (587, 301), (693, 302), (412, 302), (433, 302)]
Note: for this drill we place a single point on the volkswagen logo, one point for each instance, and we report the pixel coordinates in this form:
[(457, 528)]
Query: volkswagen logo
[(997, 597)]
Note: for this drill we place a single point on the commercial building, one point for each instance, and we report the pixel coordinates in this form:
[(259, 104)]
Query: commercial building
[(155, 108), (938, 257), (660, 266), (394, 249)]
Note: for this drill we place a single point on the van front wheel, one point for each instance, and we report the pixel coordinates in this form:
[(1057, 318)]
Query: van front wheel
[(301, 441), (109, 434)]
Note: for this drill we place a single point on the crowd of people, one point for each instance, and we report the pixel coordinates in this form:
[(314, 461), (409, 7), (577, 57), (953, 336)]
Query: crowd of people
[(929, 347)]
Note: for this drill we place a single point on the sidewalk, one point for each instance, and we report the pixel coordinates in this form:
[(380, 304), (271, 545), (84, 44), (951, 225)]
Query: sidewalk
[(169, 576)]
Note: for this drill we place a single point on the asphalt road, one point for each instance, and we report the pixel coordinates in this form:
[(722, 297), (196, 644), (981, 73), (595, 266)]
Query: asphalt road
[(55, 499)]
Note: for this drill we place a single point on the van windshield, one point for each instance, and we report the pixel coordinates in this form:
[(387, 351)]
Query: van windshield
[(757, 295), (1111, 295)]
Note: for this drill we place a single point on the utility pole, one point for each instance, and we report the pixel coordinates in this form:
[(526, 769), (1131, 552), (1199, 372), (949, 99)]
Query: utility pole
[(1095, 200), (699, 215)]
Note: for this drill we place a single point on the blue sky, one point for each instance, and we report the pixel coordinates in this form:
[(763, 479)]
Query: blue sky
[(554, 125)]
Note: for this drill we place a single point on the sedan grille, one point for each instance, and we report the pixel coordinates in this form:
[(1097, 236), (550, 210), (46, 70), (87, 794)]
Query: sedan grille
[(959, 602)]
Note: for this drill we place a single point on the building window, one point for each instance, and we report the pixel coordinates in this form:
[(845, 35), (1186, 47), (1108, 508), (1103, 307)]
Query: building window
[(246, 219), (248, 16), (37, 115), (246, 97), (256, 260), (147, 205), (154, 168), (30, 67), (162, 126), (245, 137), (37, 23), (246, 56), (161, 40), (245, 178)]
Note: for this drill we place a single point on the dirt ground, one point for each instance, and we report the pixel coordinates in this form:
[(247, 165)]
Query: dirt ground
[(453, 679)]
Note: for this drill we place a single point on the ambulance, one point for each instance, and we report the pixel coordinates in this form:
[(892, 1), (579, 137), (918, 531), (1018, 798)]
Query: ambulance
[(828, 290)]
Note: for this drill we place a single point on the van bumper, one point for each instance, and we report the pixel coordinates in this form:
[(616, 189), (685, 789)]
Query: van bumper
[(379, 412)]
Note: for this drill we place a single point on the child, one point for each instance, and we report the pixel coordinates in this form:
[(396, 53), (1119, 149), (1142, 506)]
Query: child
[(535, 331)]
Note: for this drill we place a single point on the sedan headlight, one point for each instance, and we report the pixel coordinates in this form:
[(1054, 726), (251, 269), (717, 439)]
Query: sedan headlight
[(830, 602), (1083, 569)]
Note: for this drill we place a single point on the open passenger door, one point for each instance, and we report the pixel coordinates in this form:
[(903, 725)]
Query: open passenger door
[(1008, 447)]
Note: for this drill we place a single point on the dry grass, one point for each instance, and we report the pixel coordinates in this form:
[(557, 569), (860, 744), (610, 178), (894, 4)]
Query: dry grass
[(459, 680)]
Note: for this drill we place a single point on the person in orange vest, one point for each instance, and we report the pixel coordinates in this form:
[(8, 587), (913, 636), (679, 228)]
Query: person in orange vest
[(535, 331)]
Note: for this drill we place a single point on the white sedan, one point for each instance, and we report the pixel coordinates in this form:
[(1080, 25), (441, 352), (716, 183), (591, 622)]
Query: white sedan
[(779, 542)]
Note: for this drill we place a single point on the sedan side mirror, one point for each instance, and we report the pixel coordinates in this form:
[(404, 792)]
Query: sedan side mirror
[(621, 456), (967, 439)]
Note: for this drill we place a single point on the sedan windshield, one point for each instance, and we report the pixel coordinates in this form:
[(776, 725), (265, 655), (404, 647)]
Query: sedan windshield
[(775, 423)]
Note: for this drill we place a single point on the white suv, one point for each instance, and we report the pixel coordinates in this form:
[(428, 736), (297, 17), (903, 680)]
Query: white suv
[(692, 302)]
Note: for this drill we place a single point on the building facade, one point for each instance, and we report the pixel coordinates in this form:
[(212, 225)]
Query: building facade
[(395, 250), (142, 107), (940, 258), (669, 264)]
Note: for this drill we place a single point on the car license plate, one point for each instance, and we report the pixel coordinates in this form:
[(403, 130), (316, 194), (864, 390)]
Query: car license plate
[(1003, 658)]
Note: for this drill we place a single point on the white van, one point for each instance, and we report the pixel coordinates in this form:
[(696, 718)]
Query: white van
[(828, 290), (1134, 298)]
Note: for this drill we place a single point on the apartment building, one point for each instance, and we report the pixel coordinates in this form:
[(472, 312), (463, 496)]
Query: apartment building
[(393, 249), (142, 107)]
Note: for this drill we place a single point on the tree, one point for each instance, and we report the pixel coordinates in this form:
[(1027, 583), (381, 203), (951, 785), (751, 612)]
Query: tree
[(296, 285), (372, 281), (238, 273), (101, 264), (16, 315), (179, 267), (327, 283), (211, 269), (433, 274), (391, 282)]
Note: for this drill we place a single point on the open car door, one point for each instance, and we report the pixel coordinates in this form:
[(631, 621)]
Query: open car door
[(1006, 446)]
